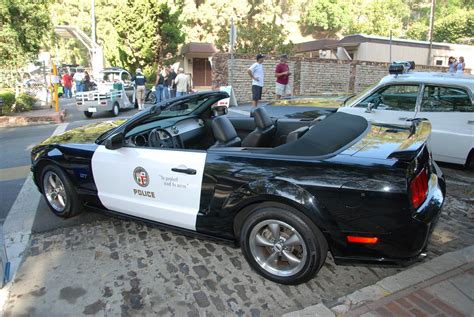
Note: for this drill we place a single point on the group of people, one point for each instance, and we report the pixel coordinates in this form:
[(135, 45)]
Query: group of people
[(168, 84), (456, 66), (282, 75), (81, 79)]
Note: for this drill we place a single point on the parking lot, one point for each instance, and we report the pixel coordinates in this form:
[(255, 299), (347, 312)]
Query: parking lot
[(94, 264)]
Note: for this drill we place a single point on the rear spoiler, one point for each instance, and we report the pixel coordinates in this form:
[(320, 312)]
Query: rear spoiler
[(420, 132)]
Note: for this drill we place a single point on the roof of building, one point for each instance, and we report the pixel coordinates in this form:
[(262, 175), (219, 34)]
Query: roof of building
[(315, 45), (195, 47), (356, 39)]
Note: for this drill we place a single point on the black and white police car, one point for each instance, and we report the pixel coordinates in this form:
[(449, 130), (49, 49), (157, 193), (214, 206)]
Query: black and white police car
[(285, 190)]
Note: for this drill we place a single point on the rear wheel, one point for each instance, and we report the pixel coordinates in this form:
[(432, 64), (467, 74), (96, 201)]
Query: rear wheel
[(88, 114), (151, 97), (59, 192), (282, 244), (115, 109)]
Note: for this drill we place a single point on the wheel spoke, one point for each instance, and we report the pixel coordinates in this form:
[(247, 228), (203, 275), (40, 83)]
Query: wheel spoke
[(291, 258), (272, 260), (61, 200), (262, 241), (275, 229), (52, 182), (292, 241)]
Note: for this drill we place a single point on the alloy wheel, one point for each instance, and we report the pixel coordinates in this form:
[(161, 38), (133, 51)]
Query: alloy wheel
[(278, 248), (54, 191)]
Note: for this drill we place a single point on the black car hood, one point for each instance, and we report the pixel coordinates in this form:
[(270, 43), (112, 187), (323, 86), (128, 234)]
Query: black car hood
[(83, 135)]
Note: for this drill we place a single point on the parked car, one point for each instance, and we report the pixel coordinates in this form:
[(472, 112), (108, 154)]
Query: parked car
[(114, 91), (446, 99), (285, 190)]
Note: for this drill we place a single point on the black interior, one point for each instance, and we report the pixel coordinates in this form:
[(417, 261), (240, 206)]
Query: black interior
[(260, 132)]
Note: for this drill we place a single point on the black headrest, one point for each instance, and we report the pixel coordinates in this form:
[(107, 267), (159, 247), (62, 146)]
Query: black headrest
[(262, 119), (223, 129)]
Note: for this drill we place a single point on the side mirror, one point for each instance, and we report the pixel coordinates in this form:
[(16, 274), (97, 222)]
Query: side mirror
[(114, 142), (370, 107)]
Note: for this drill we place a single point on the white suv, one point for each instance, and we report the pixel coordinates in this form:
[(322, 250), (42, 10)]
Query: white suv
[(446, 99)]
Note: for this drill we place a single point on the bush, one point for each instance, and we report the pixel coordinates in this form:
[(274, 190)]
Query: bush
[(8, 99), (24, 102)]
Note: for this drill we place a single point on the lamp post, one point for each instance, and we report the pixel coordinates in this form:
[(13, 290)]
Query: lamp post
[(430, 33)]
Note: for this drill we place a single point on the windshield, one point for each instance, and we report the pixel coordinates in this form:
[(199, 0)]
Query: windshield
[(353, 98)]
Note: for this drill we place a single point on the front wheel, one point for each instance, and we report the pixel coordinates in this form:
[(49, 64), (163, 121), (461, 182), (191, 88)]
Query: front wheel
[(88, 114), (282, 244), (59, 192)]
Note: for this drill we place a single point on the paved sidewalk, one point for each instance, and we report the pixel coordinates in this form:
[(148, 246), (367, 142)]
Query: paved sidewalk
[(38, 116), (443, 286)]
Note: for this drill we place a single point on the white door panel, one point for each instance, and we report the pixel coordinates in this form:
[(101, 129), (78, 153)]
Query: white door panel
[(452, 137), (140, 182)]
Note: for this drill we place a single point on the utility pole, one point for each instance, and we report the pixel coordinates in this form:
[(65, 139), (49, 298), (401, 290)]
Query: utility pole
[(232, 35), (93, 23), (430, 34), (390, 61)]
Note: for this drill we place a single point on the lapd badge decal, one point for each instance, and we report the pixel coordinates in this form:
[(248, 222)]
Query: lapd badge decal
[(141, 176)]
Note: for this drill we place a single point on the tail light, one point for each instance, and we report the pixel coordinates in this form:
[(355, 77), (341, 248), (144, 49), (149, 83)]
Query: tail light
[(419, 188)]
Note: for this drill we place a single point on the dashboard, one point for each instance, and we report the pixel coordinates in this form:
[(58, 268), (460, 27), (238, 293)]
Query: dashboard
[(180, 132)]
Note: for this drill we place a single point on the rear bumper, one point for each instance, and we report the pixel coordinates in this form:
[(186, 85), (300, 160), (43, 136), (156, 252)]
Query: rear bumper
[(98, 107), (404, 245)]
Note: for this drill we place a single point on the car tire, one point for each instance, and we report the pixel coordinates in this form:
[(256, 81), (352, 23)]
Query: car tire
[(88, 114), (115, 109), (282, 244), (151, 97), (59, 192)]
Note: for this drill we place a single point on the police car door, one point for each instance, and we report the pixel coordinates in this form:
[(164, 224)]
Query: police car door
[(390, 104), (162, 185)]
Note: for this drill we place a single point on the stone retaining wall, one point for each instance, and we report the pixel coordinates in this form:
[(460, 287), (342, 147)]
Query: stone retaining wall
[(310, 76)]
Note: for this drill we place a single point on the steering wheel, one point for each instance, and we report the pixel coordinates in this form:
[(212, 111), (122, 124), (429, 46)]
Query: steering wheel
[(164, 141)]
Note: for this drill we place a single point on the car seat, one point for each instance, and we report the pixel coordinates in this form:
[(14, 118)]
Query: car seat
[(224, 133), (264, 132)]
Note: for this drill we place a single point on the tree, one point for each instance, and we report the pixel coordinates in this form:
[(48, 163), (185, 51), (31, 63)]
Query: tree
[(147, 32), (24, 25), (325, 17), (457, 27)]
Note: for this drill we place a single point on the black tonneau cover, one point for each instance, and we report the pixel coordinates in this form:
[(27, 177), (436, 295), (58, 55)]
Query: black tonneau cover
[(326, 137)]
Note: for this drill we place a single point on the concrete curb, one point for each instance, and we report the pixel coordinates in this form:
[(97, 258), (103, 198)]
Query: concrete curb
[(27, 119), (391, 284)]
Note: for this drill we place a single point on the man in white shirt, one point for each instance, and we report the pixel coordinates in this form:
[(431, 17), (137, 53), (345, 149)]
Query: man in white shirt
[(182, 83), (256, 73), (78, 79)]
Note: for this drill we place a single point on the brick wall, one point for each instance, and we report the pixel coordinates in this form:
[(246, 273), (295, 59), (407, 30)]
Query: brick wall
[(310, 76)]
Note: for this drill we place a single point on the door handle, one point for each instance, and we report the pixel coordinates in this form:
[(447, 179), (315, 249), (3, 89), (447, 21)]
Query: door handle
[(188, 171), (470, 122)]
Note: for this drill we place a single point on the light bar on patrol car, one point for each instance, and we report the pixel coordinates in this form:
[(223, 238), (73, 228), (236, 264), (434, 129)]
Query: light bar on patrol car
[(401, 67)]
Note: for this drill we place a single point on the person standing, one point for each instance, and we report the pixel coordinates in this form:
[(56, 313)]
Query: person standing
[(460, 66), (452, 64), (78, 79), (140, 81), (256, 73), (167, 83), (67, 84), (282, 74), (159, 85), (86, 82), (173, 83), (182, 83)]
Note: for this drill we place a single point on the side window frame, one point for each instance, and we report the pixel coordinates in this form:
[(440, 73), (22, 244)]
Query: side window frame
[(467, 90), (419, 95)]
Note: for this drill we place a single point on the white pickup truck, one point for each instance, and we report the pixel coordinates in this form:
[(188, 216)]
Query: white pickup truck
[(115, 91)]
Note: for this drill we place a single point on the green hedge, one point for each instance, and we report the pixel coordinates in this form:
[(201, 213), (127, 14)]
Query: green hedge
[(23, 102), (8, 99)]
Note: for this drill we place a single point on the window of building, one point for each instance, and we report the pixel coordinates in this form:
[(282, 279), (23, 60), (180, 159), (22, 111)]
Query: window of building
[(439, 62)]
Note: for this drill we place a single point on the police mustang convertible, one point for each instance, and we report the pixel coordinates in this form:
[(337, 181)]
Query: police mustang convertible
[(286, 190)]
